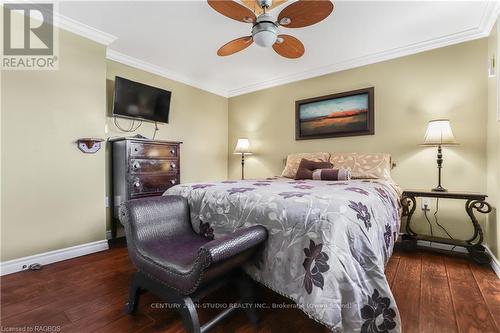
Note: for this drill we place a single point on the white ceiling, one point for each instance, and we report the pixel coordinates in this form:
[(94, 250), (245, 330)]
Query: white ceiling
[(179, 39)]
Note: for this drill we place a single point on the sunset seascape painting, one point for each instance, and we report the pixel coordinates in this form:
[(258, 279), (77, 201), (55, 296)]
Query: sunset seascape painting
[(336, 115)]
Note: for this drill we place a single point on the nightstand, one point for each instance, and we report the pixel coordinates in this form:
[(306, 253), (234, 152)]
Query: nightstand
[(474, 201)]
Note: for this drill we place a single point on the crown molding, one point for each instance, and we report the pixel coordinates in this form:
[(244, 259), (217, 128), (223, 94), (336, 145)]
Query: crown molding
[(83, 30), (69, 24), (488, 19), (490, 15), (160, 71)]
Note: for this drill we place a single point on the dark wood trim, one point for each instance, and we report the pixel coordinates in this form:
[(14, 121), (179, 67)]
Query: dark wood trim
[(143, 140), (445, 195), (371, 114)]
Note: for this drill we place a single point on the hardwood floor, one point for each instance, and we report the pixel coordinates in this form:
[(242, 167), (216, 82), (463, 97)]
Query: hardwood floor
[(434, 293)]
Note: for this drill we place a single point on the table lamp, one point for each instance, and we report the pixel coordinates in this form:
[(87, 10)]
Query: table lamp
[(243, 148), (439, 134)]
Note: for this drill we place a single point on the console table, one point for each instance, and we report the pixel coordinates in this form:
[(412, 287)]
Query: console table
[(473, 201)]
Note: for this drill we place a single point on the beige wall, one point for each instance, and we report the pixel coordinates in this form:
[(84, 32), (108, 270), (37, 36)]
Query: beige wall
[(52, 194), (444, 83), (493, 150), (197, 118)]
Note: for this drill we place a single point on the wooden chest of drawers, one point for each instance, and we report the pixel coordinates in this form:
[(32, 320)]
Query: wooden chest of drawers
[(142, 168)]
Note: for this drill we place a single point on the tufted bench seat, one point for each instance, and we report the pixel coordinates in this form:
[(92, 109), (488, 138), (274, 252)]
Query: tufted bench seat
[(179, 265)]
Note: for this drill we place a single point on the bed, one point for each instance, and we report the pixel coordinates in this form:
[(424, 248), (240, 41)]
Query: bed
[(328, 242)]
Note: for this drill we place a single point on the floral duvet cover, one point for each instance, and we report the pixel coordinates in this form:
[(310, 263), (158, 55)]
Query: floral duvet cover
[(328, 242)]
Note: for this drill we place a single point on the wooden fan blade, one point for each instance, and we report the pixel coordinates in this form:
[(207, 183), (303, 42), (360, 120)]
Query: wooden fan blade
[(252, 4), (235, 45), (233, 10), (290, 47), (305, 12)]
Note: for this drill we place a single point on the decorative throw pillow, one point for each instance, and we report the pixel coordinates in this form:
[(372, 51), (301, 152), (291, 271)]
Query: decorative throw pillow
[(331, 174), (364, 165), (293, 161), (306, 168)]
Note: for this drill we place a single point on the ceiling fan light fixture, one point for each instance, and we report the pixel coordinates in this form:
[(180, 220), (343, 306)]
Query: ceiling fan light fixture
[(265, 31), (265, 38)]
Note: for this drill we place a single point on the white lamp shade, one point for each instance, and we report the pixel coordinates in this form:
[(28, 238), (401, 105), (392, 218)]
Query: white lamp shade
[(439, 133), (242, 147)]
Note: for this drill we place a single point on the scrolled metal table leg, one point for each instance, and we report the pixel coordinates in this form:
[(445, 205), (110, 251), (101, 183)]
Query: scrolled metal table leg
[(408, 241), (482, 207), (409, 205), (476, 249)]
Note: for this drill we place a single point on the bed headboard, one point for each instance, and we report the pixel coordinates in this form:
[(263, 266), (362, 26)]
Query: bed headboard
[(390, 163)]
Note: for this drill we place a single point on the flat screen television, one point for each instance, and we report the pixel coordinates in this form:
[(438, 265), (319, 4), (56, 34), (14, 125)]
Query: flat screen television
[(136, 100)]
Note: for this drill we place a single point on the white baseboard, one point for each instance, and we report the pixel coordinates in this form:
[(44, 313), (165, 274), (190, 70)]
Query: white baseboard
[(20, 264), (441, 246), (495, 264)]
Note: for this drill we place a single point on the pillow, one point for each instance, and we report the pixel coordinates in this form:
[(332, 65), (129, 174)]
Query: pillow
[(331, 174), (293, 161), (364, 165), (306, 168)]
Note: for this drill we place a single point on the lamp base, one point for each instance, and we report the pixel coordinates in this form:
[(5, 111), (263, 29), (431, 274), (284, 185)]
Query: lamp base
[(439, 188), (439, 161)]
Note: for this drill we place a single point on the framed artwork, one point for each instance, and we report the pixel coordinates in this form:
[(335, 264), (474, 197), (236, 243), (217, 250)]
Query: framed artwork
[(345, 114)]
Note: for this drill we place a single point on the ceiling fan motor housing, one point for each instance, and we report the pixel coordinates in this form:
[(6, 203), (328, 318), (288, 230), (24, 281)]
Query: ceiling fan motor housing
[(265, 3), (265, 31)]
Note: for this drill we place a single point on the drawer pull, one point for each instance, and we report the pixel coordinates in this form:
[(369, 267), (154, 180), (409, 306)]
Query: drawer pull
[(172, 151), (137, 184), (172, 181), (136, 149), (172, 165), (136, 165)]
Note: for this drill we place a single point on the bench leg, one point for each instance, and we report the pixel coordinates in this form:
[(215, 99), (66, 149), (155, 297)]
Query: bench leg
[(184, 304), (133, 294), (247, 294), (189, 315)]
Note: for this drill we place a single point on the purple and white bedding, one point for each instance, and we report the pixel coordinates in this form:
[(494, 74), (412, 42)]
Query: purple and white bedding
[(328, 242)]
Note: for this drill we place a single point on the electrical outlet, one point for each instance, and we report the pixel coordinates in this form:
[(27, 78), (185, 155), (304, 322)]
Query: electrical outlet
[(426, 204)]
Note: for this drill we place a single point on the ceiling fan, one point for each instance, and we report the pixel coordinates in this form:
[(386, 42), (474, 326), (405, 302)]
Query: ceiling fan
[(265, 30)]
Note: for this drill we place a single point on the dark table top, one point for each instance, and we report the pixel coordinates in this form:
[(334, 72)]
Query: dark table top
[(447, 195)]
